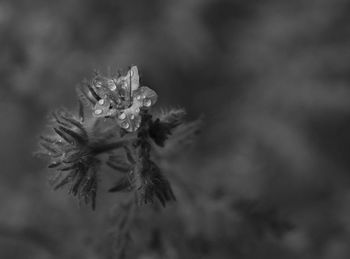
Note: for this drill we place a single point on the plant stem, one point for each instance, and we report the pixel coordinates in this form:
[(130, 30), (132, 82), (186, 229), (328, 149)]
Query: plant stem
[(112, 146)]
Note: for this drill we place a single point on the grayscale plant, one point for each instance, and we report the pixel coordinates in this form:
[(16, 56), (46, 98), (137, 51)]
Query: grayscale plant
[(120, 131)]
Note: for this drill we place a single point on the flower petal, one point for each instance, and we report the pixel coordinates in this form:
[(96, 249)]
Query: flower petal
[(133, 78), (145, 96), (102, 108), (130, 118)]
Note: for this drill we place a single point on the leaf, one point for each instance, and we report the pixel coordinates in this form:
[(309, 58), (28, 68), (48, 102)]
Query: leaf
[(77, 137), (81, 111), (161, 129), (172, 116), (124, 168), (63, 135), (83, 96), (92, 92), (48, 147), (159, 132), (154, 185), (181, 137), (129, 156), (63, 181), (75, 123), (54, 164), (123, 184), (77, 184)]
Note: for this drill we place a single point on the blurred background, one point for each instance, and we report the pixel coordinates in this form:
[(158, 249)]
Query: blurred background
[(272, 82)]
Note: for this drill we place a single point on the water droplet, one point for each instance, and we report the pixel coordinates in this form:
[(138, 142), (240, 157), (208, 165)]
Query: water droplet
[(122, 116), (98, 111), (101, 101), (132, 116), (138, 97), (125, 125), (147, 102)]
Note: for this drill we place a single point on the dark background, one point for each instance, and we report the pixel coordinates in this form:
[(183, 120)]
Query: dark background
[(271, 80)]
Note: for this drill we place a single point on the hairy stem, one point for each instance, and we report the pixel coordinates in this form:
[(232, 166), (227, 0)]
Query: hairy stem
[(112, 146)]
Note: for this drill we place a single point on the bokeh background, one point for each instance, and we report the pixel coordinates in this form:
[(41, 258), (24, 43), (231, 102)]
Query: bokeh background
[(271, 80)]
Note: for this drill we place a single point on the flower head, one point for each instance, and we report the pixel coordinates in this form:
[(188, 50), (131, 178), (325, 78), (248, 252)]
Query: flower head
[(122, 97)]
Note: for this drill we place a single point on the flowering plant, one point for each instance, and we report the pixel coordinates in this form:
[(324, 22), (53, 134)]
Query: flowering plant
[(118, 131)]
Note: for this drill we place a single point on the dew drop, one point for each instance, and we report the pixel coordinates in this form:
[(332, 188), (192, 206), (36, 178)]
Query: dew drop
[(147, 102), (132, 116), (122, 116), (101, 101), (125, 125), (98, 111), (138, 97)]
